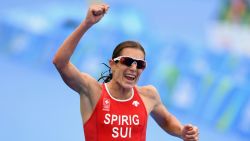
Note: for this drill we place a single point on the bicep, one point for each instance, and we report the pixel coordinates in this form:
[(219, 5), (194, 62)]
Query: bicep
[(166, 120), (76, 80), (159, 111), (160, 114)]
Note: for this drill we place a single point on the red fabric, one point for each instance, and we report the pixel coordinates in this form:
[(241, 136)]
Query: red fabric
[(117, 120)]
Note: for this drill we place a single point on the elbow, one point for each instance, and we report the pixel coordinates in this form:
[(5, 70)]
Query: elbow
[(54, 61), (57, 63)]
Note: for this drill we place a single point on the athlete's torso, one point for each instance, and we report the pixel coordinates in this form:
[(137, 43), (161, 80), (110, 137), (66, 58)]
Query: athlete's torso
[(119, 120)]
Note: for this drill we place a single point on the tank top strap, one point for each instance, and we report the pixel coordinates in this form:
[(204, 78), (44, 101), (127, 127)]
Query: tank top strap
[(138, 97), (136, 93)]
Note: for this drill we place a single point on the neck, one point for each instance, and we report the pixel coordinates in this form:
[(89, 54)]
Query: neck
[(119, 92)]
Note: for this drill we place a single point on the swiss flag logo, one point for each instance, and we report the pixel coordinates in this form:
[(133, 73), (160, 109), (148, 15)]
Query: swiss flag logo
[(106, 104)]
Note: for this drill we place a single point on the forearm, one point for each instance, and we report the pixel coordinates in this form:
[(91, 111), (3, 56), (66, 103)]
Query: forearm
[(185, 132), (173, 126), (94, 14), (170, 123), (66, 50), (167, 121)]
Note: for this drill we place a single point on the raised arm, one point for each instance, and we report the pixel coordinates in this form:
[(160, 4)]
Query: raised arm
[(170, 123), (71, 75)]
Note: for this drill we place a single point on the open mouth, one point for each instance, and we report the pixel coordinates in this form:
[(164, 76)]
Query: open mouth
[(130, 77)]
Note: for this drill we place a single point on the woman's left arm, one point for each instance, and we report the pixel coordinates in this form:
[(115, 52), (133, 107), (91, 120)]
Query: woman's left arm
[(170, 123)]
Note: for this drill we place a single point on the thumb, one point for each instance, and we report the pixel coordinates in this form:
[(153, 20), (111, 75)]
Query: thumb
[(188, 127), (98, 12), (185, 130)]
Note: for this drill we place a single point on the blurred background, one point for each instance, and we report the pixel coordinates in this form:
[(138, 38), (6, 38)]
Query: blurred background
[(198, 55)]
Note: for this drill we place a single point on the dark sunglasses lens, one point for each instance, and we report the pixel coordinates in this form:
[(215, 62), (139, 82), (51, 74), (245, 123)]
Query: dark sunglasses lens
[(127, 61), (140, 64)]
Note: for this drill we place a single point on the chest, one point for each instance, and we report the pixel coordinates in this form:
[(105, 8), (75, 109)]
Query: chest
[(122, 119), (129, 113)]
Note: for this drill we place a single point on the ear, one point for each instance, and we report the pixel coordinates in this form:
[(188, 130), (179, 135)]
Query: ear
[(111, 63)]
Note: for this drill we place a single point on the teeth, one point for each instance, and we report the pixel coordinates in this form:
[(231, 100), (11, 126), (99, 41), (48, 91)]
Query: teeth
[(132, 76)]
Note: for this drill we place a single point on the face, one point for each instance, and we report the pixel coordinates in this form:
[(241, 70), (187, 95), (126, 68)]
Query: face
[(127, 76)]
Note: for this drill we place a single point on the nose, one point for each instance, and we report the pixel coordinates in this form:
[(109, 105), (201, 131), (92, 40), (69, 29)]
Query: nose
[(133, 65)]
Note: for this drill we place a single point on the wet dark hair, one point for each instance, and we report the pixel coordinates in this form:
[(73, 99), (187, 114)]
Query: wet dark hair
[(116, 53)]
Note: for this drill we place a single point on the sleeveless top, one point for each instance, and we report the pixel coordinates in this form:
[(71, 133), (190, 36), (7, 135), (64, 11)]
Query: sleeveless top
[(117, 120)]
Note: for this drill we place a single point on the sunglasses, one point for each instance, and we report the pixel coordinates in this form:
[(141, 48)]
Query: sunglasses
[(128, 61)]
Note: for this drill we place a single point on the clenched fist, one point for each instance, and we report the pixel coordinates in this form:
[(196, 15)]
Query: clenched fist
[(190, 133), (95, 13)]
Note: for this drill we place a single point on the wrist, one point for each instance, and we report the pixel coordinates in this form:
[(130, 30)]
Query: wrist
[(181, 132), (86, 24)]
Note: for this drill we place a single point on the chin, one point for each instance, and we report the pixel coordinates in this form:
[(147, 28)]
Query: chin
[(129, 85)]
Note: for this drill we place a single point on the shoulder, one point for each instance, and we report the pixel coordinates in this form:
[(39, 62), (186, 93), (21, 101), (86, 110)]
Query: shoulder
[(150, 97), (149, 91)]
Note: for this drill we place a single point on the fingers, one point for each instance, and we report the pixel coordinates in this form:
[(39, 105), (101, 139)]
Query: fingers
[(99, 9), (191, 137), (190, 133), (95, 13)]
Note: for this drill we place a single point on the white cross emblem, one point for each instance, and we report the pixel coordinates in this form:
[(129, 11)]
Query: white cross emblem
[(135, 103)]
